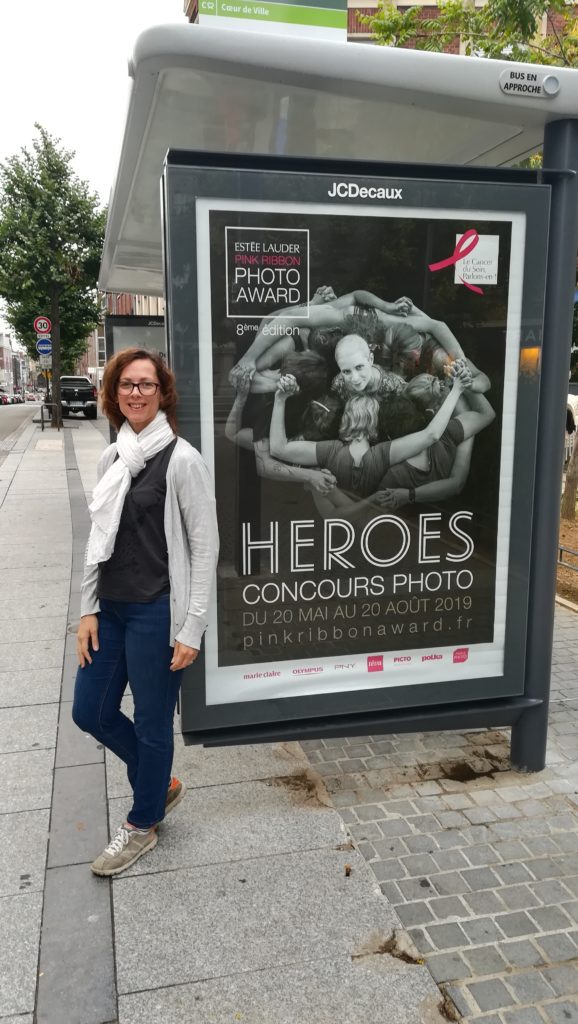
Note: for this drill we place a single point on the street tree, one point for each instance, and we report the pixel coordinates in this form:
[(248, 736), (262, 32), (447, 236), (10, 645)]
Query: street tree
[(51, 236), (530, 31)]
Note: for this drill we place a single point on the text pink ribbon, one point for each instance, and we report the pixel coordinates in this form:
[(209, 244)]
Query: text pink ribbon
[(465, 245)]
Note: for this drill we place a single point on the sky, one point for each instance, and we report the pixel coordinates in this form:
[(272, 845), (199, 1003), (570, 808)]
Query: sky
[(63, 63)]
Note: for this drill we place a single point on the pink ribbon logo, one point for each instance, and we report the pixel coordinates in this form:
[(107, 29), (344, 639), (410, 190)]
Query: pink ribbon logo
[(465, 245)]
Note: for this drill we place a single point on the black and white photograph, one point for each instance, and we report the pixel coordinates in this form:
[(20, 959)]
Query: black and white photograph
[(363, 364)]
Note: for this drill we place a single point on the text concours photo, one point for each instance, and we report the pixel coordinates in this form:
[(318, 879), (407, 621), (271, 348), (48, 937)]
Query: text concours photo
[(360, 367)]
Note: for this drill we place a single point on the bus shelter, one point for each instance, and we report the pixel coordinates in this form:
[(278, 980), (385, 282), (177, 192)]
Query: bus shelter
[(306, 185)]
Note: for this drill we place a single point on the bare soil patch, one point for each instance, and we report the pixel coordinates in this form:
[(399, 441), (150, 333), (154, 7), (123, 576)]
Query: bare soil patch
[(567, 579)]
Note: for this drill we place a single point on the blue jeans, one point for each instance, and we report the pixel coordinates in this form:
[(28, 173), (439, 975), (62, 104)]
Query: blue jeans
[(133, 645)]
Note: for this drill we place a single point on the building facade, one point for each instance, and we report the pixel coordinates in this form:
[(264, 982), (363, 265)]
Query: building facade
[(15, 366), (357, 32)]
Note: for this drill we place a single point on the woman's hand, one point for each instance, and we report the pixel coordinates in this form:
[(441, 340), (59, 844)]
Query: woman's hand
[(401, 307), (323, 294), (241, 370), (392, 498), (86, 637), (287, 385), (322, 480), (183, 656), (460, 375), (242, 380)]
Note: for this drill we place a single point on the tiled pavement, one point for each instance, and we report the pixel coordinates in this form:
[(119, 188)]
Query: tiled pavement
[(480, 863), (254, 907)]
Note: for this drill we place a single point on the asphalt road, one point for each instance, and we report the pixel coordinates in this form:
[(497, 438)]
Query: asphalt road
[(14, 416)]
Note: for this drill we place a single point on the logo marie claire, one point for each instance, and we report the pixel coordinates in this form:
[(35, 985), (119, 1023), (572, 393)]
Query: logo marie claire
[(350, 190)]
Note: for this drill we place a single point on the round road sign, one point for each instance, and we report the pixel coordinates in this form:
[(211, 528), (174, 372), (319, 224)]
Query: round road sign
[(42, 325), (44, 348)]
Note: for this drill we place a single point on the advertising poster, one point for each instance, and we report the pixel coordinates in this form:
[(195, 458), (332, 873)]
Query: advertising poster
[(359, 372)]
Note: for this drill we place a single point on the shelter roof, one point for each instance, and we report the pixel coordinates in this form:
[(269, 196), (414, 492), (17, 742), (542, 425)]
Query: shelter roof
[(216, 90)]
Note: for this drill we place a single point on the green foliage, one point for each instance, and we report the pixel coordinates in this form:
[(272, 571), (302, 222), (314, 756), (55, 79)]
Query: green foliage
[(502, 29), (51, 235), (79, 315)]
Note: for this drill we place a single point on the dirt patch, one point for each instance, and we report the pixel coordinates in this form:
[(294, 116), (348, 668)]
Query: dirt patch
[(290, 751), (567, 579), (398, 945), (306, 787), (448, 1008), (482, 764), (463, 771)]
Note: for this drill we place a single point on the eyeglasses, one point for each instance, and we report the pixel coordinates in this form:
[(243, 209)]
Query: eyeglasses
[(144, 387)]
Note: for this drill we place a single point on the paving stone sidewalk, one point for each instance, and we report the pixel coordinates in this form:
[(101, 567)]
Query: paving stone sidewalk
[(480, 863), (246, 911), (254, 907)]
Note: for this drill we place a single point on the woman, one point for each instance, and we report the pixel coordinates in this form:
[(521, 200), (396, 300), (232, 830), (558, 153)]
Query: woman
[(358, 373), (249, 420), (361, 313), (276, 339), (149, 568), (441, 471), (431, 475), (355, 461)]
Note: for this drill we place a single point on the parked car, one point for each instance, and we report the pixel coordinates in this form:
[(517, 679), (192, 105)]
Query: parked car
[(571, 413), (571, 425), (4, 398), (78, 394)]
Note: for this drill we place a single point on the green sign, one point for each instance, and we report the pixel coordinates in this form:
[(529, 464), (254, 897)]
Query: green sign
[(326, 17)]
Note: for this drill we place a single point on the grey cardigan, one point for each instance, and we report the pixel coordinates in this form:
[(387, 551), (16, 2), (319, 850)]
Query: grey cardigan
[(192, 542)]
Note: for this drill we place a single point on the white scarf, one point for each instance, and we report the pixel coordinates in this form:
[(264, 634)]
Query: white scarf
[(134, 451)]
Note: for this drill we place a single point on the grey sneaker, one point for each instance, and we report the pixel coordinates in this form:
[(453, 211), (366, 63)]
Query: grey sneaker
[(127, 846), (175, 794)]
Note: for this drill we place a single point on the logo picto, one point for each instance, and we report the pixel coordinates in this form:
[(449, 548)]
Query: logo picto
[(375, 663), (461, 654)]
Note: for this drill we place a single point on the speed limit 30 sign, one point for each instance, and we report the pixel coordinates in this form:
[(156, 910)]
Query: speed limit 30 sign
[(42, 325)]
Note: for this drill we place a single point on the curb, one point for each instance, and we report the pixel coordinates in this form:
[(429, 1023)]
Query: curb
[(567, 604)]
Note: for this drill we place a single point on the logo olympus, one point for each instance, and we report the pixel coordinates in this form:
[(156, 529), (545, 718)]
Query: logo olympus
[(350, 190)]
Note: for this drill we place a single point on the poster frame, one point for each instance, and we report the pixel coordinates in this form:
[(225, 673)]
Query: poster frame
[(246, 721)]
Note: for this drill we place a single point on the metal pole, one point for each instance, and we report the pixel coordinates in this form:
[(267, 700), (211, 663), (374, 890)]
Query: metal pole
[(528, 749)]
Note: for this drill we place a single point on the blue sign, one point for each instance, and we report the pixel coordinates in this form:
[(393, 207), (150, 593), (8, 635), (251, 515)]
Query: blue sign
[(44, 347)]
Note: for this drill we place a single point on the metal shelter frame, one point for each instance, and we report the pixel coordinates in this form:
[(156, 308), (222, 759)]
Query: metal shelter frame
[(132, 261)]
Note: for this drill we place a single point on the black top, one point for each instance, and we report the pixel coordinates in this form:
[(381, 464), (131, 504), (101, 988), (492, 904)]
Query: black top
[(138, 569), (361, 479), (442, 455)]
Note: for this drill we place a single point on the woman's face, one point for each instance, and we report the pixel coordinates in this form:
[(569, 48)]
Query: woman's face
[(139, 410), (356, 367)]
